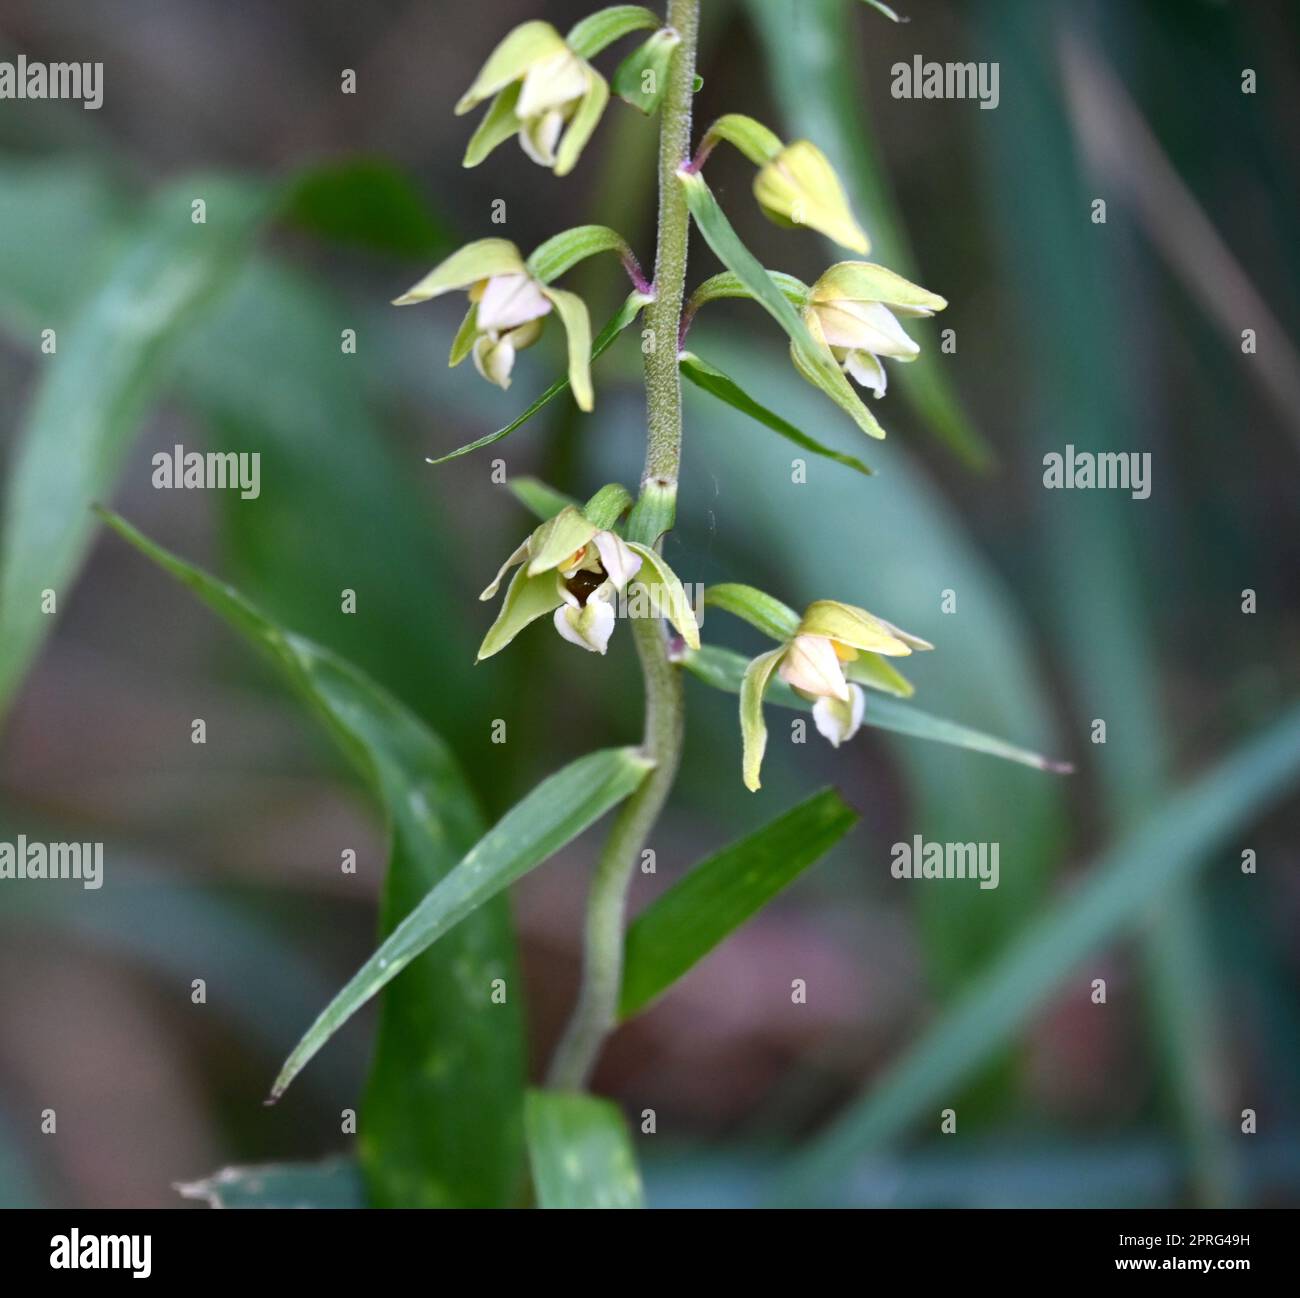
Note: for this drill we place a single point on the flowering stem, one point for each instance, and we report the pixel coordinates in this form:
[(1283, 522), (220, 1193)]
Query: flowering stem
[(596, 1012)]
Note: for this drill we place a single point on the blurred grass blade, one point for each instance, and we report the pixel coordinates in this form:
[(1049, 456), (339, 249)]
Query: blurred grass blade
[(624, 317), (724, 669), (682, 926), (331, 1183), (441, 1135), (718, 384), (580, 1152), (1116, 896), (366, 203), (109, 365), (820, 95), (553, 814)]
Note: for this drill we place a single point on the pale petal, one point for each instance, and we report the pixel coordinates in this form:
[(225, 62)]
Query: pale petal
[(552, 82), (518, 557), (811, 665), (837, 720), (539, 136), (619, 562), (589, 627), (509, 301), (867, 370), (494, 358), (865, 327)]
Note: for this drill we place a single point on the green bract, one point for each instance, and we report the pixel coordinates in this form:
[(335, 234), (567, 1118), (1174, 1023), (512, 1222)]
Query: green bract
[(642, 77), (510, 297)]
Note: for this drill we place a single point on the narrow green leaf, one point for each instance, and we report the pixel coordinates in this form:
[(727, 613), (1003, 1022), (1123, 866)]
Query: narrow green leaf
[(419, 1113), (111, 363), (593, 33), (580, 1152), (769, 615), (718, 384), (539, 498), (813, 361), (1117, 895), (721, 893), (628, 312), (549, 260), (332, 1183), (724, 669), (553, 814)]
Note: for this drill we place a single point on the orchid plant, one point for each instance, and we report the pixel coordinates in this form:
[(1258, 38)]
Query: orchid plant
[(586, 564)]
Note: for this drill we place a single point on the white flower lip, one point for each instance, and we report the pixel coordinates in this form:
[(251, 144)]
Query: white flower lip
[(509, 301), (839, 721)]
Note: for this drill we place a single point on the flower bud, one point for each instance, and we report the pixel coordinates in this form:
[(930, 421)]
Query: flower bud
[(799, 187)]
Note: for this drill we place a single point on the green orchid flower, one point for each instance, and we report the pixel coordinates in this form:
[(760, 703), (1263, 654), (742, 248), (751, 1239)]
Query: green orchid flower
[(574, 567), (853, 309), (509, 301), (542, 91)]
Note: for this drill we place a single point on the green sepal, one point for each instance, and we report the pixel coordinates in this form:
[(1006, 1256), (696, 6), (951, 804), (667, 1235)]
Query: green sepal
[(499, 123), (652, 57), (753, 729), (858, 629), (878, 673), (592, 34), (549, 260), (676, 607), (583, 123), (517, 52), (572, 311), (751, 137), (867, 281), (607, 506), (463, 343), (476, 261), (558, 538), (773, 618), (527, 598)]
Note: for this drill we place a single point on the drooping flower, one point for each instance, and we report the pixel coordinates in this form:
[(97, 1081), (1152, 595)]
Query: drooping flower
[(796, 184), (817, 662), (853, 309), (508, 305), (543, 92), (574, 567)]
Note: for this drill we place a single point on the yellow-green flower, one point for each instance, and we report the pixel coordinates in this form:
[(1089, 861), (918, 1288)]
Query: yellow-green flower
[(817, 663), (853, 309), (574, 567), (799, 187), (508, 305), (541, 91)]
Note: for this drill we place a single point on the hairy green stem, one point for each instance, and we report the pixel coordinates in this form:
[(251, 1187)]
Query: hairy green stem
[(596, 1013)]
